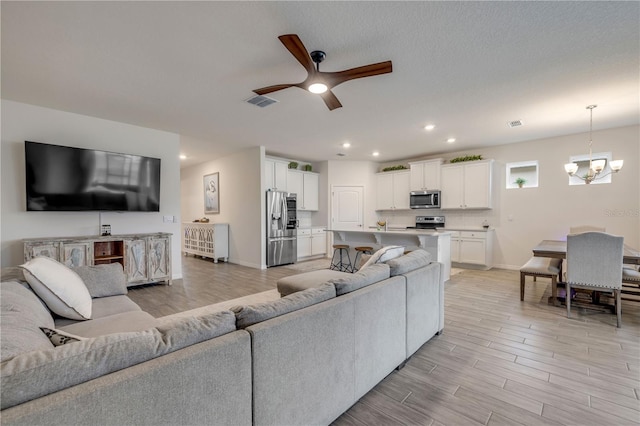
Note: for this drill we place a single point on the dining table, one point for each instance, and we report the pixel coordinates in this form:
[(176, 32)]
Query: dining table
[(557, 249)]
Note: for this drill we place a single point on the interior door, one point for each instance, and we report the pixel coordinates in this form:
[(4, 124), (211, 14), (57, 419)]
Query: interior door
[(347, 207)]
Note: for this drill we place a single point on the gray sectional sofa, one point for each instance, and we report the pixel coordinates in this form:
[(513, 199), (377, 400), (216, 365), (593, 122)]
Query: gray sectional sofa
[(302, 359)]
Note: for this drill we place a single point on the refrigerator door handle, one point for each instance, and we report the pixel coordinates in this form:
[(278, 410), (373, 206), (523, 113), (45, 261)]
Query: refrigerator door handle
[(285, 213)]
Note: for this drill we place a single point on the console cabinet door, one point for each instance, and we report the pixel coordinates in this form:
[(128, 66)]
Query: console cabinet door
[(136, 266), (46, 249), (77, 254), (159, 258)]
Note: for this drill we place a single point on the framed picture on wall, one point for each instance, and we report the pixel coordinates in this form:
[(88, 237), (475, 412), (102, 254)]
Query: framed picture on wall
[(212, 193)]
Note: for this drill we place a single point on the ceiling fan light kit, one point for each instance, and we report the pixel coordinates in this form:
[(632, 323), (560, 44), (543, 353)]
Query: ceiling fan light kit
[(320, 82)]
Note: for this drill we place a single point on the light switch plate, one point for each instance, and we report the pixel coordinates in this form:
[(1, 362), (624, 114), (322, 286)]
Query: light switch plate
[(168, 219)]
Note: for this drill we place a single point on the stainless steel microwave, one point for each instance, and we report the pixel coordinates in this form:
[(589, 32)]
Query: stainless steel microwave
[(424, 199)]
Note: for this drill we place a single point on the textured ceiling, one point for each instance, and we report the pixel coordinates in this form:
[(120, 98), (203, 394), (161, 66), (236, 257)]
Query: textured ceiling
[(468, 67)]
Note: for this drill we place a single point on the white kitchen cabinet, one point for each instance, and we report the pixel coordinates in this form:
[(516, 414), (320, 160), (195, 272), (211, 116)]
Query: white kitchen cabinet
[(275, 174), (467, 185), (311, 242), (425, 175), (472, 247), (392, 190), (304, 243), (306, 186), (318, 241)]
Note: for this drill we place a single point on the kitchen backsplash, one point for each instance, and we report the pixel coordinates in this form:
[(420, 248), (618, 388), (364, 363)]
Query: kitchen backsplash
[(466, 219)]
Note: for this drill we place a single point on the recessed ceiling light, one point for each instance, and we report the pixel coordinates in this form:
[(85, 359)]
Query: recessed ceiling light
[(430, 127), (346, 145), (183, 157), (375, 153), (451, 140)]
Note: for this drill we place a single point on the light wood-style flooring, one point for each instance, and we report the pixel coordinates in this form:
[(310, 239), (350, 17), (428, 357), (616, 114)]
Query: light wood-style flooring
[(499, 361)]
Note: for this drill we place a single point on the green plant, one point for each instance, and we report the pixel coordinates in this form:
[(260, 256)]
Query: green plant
[(466, 158), (520, 181), (307, 167), (392, 168), (293, 164)]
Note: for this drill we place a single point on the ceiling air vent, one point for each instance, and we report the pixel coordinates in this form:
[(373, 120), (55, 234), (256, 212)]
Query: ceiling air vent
[(515, 123), (261, 101), (340, 154)]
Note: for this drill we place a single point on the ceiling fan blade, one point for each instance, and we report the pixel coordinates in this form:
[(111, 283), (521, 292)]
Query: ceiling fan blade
[(335, 78), (330, 99), (294, 45), (270, 89)]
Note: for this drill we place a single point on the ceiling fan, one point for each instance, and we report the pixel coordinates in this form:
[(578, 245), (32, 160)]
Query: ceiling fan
[(322, 82)]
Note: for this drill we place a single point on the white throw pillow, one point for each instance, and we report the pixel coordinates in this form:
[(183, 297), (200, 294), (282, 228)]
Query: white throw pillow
[(59, 287), (384, 254)]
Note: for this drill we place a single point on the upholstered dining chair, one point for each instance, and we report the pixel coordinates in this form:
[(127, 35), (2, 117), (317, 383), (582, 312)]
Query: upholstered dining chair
[(586, 228), (594, 262)]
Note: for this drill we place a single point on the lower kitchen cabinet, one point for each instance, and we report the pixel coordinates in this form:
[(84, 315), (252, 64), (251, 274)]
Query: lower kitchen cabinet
[(311, 242), (472, 247)]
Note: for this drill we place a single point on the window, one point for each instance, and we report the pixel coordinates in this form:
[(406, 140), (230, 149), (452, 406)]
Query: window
[(583, 167), (525, 172)]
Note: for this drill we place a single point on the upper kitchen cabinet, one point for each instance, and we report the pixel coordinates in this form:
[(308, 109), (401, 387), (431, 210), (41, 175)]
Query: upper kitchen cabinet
[(305, 185), (392, 190), (425, 174), (466, 185), (275, 174)]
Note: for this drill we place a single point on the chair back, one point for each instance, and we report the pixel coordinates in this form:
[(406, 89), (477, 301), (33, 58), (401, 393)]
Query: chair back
[(594, 259), (586, 228)]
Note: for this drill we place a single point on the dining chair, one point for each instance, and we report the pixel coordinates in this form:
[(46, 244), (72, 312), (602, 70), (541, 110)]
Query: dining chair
[(586, 228), (594, 262)]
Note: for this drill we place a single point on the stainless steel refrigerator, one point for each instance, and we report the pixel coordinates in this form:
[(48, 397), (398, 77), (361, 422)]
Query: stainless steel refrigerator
[(282, 245)]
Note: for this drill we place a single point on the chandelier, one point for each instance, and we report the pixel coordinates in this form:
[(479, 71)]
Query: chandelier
[(595, 166)]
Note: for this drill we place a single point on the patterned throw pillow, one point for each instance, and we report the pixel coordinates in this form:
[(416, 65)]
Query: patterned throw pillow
[(59, 338)]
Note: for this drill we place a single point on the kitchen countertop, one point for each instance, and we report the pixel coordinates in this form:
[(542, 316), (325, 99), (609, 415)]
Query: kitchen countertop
[(399, 231)]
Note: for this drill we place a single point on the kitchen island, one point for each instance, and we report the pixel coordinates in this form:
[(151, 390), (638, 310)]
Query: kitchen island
[(437, 243)]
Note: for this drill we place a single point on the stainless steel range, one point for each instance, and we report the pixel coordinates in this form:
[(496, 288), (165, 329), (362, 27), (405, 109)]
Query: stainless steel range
[(428, 222)]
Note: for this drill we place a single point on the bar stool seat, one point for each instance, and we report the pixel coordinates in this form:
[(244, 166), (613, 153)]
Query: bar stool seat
[(542, 267), (359, 252), (340, 251)]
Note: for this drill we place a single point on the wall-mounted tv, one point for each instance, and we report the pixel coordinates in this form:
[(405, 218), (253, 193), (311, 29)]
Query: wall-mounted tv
[(63, 178)]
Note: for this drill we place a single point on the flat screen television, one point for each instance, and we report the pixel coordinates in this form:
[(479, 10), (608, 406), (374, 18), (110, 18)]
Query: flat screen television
[(63, 178)]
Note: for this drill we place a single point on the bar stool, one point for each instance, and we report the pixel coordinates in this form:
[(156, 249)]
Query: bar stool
[(337, 260), (359, 252)]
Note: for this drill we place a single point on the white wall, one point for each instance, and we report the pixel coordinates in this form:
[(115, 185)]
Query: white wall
[(241, 202), (22, 122), (523, 217)]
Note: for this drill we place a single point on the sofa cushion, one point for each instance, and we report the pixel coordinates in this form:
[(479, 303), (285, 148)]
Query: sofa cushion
[(59, 287), (184, 332), (103, 280), (21, 315), (409, 262), (37, 373), (118, 323), (12, 273), (362, 278), (252, 314), (59, 337), (299, 282), (384, 254)]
